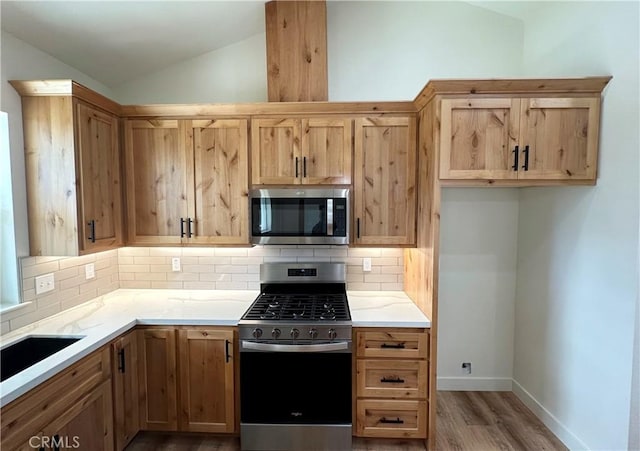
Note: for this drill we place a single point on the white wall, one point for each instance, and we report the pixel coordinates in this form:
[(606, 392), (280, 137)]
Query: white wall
[(577, 285), (478, 251), (9, 293), (236, 73), (389, 50)]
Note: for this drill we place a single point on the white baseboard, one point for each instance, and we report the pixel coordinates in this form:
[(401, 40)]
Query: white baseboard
[(560, 430), (475, 383)]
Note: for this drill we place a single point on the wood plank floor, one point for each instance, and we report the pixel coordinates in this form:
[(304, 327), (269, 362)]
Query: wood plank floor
[(474, 421)]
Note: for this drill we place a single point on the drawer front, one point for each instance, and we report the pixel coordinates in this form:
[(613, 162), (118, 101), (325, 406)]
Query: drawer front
[(394, 419), (29, 414), (393, 343), (392, 379)]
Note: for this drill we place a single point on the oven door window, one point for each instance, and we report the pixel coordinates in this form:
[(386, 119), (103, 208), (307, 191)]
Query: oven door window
[(288, 217), (295, 388)]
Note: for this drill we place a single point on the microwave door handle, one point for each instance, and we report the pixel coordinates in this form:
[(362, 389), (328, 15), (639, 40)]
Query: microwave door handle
[(329, 217)]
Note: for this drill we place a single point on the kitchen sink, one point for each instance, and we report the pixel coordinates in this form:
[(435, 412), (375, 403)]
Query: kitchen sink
[(29, 351)]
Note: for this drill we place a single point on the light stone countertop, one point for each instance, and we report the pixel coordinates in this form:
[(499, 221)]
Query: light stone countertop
[(103, 319)]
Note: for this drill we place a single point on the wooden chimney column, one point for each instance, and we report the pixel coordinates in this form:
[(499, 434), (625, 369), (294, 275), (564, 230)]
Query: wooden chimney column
[(296, 51)]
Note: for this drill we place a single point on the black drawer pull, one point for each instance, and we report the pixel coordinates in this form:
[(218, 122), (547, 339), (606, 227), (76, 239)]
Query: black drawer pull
[(396, 421), (227, 356), (397, 380), (396, 346)]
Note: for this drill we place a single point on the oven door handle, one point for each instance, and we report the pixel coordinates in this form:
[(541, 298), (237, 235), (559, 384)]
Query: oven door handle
[(325, 347)]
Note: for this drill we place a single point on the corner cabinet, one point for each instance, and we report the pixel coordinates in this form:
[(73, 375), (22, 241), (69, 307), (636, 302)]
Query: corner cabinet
[(384, 186), (522, 140), (187, 181), (126, 417), (309, 151), (72, 162)]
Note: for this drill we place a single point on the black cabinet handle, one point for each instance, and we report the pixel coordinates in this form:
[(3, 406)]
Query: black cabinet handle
[(396, 421), (516, 152), (397, 380), (182, 233), (296, 167), (227, 356), (189, 224), (396, 346), (358, 228), (304, 166), (525, 166), (92, 231), (121, 361)]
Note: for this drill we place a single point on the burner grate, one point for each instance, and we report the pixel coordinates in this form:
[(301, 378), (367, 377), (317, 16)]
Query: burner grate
[(299, 307)]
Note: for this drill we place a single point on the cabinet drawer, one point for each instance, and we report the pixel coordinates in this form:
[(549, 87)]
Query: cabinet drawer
[(393, 343), (392, 378), (385, 418), (29, 414)]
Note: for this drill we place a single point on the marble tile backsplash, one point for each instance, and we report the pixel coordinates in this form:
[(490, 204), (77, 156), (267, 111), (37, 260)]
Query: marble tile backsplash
[(239, 268), (201, 268)]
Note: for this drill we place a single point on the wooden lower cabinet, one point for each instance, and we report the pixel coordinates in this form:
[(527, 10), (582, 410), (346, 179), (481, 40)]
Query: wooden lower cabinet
[(157, 374), (74, 406), (187, 379), (391, 383), (125, 389), (206, 380)]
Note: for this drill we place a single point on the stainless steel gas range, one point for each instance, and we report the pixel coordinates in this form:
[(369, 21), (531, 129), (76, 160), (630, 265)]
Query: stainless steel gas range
[(295, 360)]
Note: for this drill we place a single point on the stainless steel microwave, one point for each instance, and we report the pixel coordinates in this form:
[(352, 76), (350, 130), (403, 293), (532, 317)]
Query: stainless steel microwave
[(299, 216)]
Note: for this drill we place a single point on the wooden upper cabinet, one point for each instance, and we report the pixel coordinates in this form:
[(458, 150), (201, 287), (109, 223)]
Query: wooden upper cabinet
[(310, 151), (221, 206), (523, 140), (206, 365), (477, 138), (275, 151), (326, 151), (562, 138), (158, 163), (72, 162), (385, 181)]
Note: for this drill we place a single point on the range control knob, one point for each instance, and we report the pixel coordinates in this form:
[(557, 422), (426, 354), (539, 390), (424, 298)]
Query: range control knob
[(332, 334), (275, 333), (257, 333), (295, 333), (313, 333)]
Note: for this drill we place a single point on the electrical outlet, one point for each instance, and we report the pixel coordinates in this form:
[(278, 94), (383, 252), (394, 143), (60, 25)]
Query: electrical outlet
[(89, 271), (175, 264), (366, 264), (45, 283), (466, 367)]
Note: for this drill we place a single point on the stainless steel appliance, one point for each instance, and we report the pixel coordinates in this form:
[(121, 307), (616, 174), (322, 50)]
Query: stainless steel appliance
[(299, 216), (295, 360)]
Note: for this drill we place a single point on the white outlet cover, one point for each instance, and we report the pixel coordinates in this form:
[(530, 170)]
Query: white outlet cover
[(175, 264), (366, 264), (89, 271), (45, 283)]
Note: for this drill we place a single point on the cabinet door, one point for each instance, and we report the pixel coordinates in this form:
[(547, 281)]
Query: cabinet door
[(159, 156), (478, 138), (157, 373), (562, 138), (100, 187), (275, 152), (125, 389), (206, 380), (326, 151), (221, 182), (385, 181), (87, 424)]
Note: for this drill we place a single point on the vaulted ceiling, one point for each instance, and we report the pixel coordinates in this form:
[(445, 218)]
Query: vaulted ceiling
[(117, 41)]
